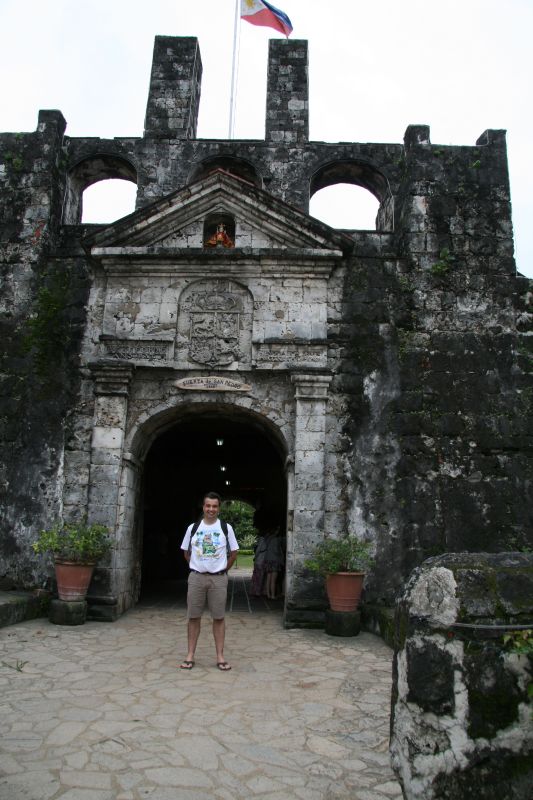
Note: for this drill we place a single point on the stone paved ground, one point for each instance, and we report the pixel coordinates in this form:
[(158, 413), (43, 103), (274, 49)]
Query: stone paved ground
[(101, 712)]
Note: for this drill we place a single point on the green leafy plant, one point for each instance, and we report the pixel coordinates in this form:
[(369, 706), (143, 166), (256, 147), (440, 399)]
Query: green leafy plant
[(248, 541), (348, 554), (519, 544), (240, 516), (48, 331), (404, 283), (75, 541), (13, 161), (520, 642), (444, 264)]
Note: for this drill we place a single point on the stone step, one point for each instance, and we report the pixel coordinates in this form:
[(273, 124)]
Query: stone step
[(19, 606)]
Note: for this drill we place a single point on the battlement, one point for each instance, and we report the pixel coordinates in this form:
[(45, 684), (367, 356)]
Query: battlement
[(285, 163)]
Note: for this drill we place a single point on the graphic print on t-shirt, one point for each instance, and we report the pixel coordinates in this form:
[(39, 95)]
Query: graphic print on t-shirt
[(207, 544), (208, 547)]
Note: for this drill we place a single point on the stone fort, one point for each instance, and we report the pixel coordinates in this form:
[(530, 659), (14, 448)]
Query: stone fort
[(377, 382), (368, 381)]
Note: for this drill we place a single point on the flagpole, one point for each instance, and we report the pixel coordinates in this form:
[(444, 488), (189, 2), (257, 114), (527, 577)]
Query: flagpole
[(232, 101)]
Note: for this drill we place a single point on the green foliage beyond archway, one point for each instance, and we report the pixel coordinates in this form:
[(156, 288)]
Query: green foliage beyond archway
[(240, 516)]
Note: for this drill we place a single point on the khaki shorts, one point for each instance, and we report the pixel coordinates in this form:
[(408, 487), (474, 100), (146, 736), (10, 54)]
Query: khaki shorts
[(205, 589)]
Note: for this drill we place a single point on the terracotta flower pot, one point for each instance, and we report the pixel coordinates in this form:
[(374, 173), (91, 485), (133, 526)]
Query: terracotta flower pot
[(73, 579), (344, 590)]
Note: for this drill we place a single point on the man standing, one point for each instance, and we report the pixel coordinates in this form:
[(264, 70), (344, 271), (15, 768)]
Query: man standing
[(210, 552)]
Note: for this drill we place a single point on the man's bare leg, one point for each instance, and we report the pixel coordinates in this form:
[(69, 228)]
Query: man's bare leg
[(193, 632), (219, 633)]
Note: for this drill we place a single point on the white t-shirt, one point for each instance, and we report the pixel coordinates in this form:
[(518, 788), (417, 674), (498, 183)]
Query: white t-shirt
[(208, 551)]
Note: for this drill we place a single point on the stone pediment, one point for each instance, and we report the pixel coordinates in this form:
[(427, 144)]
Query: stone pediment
[(174, 225)]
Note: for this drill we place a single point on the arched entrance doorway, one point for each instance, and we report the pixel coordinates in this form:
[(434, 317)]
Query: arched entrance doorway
[(232, 453)]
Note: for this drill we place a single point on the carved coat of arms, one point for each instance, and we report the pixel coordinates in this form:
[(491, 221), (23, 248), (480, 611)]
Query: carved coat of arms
[(215, 323), (215, 318)]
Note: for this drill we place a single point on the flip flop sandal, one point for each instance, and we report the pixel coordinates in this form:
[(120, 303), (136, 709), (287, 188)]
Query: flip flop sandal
[(223, 666), (187, 665)]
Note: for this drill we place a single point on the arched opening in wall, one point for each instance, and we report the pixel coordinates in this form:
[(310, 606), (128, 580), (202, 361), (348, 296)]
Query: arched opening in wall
[(231, 453), (349, 194), (109, 200), (94, 170), (235, 166), (345, 206)]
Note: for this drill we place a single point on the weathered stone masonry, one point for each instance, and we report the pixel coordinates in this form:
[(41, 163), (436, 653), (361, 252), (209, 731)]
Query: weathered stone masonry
[(391, 367), (461, 719)]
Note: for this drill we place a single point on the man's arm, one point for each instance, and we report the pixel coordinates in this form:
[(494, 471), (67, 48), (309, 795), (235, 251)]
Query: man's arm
[(234, 547), (231, 559), (185, 548)]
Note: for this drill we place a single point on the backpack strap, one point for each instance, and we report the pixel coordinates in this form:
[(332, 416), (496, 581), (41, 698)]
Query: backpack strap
[(194, 528), (223, 525)]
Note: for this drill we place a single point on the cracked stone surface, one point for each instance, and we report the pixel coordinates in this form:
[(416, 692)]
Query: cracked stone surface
[(102, 712)]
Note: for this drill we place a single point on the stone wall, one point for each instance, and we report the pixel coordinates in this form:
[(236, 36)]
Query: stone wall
[(42, 316), (461, 721), (436, 336)]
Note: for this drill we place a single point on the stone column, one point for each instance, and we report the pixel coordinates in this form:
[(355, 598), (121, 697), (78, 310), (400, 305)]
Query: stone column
[(287, 113), (129, 532), (111, 385), (175, 82), (311, 396), (287, 121), (110, 409)]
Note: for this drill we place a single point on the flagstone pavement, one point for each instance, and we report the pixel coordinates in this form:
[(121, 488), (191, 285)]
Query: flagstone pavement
[(102, 711)]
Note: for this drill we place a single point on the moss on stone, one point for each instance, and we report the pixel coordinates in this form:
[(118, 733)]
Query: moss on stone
[(490, 775), (48, 333), (494, 694)]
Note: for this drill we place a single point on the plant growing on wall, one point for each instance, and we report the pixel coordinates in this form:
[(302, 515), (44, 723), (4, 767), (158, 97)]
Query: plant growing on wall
[(444, 264), (521, 643), (47, 330)]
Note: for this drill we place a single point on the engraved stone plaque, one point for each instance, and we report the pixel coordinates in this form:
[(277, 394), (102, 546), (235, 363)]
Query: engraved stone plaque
[(136, 350), (212, 383), (288, 355)]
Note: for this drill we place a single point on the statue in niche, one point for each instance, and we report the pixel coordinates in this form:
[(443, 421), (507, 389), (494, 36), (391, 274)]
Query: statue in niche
[(220, 238)]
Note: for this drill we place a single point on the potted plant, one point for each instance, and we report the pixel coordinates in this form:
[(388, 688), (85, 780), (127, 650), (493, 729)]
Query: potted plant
[(343, 563), (75, 547)]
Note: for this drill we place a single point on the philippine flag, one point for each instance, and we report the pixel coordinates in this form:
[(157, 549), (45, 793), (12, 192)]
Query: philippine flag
[(259, 12)]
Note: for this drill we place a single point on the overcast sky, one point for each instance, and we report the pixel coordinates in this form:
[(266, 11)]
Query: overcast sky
[(375, 67)]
